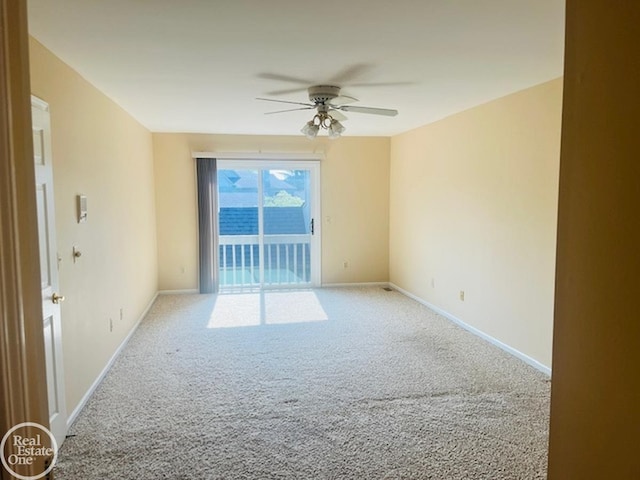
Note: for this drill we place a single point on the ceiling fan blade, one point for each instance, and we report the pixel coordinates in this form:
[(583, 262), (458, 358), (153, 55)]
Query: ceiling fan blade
[(380, 84), (342, 100), (290, 110), (276, 93), (284, 78), (351, 73), (286, 101), (337, 115), (374, 111)]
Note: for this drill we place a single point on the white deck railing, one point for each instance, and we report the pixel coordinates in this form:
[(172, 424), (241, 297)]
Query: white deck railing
[(286, 260)]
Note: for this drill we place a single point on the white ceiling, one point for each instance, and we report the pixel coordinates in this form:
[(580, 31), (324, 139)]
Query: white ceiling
[(197, 65)]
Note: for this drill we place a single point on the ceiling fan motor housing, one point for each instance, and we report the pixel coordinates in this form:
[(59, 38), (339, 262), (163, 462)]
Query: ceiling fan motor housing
[(321, 94)]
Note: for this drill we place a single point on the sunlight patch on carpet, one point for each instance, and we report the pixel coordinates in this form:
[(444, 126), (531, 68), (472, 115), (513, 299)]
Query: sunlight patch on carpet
[(266, 308)]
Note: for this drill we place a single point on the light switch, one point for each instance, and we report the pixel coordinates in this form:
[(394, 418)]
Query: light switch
[(81, 201)]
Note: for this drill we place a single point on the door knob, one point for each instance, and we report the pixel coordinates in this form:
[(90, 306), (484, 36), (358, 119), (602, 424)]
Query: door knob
[(55, 298)]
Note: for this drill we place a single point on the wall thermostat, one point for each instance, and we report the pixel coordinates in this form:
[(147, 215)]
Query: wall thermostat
[(82, 208)]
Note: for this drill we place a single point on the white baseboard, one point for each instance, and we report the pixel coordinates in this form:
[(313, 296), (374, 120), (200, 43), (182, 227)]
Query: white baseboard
[(516, 353), (360, 284), (179, 292), (76, 411)]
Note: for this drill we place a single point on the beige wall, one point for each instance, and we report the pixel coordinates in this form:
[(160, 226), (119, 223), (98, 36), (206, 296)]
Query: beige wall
[(473, 203), (595, 394), (355, 208), (103, 153)]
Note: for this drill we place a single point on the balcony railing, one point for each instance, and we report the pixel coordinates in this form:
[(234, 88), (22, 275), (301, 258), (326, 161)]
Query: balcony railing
[(285, 260)]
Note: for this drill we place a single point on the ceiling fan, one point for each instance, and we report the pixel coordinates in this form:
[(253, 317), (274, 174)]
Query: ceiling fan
[(329, 105)]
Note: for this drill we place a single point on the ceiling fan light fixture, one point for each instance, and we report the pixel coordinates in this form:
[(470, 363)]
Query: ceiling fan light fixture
[(321, 98), (310, 129), (335, 129), (325, 121)]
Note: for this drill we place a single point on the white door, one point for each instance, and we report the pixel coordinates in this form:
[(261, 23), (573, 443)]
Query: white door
[(51, 297)]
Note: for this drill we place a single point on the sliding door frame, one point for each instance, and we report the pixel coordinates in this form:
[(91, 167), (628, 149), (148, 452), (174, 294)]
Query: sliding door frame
[(272, 163)]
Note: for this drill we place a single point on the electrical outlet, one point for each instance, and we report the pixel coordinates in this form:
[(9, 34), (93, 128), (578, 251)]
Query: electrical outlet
[(462, 295)]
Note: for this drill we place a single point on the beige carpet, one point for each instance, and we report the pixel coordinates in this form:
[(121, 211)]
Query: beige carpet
[(354, 383)]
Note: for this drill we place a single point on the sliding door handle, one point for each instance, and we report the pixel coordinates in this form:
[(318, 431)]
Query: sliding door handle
[(312, 226)]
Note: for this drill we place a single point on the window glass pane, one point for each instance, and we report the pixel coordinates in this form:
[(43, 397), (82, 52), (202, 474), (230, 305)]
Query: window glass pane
[(239, 259), (287, 224)]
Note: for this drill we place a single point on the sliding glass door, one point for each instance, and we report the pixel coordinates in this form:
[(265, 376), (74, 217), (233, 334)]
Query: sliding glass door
[(268, 224)]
